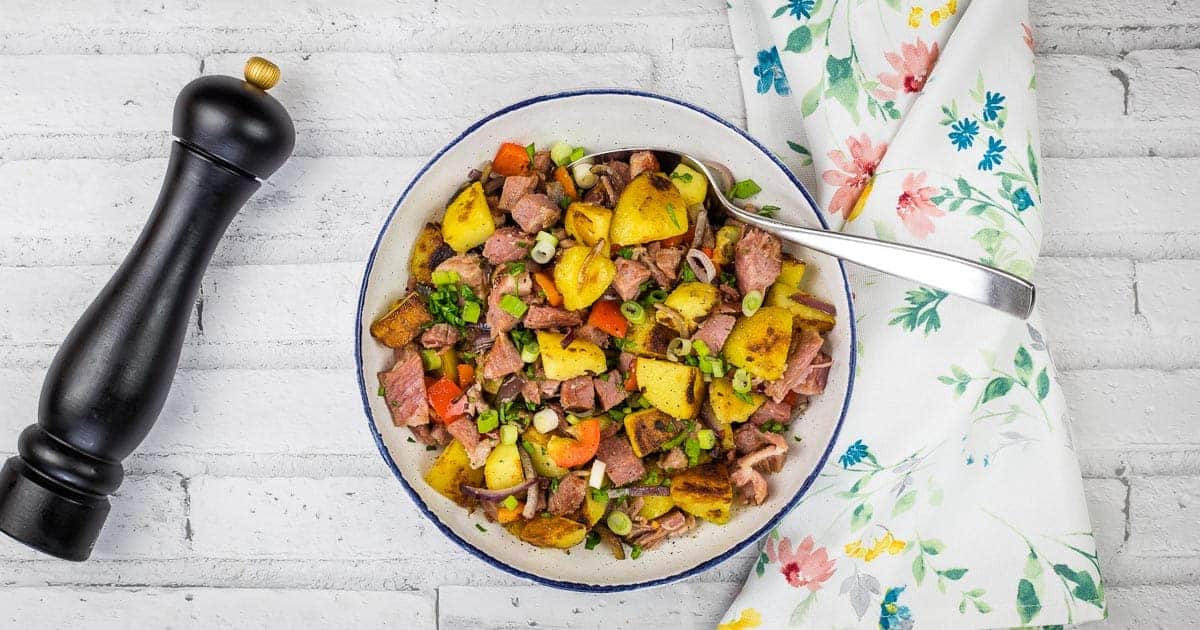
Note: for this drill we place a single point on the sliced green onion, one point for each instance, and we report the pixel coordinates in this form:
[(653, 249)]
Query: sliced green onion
[(471, 312), (679, 347), (593, 539), (700, 347), (718, 367), (633, 312), (619, 523), (768, 211), (752, 302), (573, 419), (545, 420), (546, 236), (656, 296), (598, 495), (487, 421), (636, 552), (530, 352), (445, 277), (430, 360), (508, 434), (741, 381), (509, 502), (706, 438), (745, 189), (530, 150), (542, 252), (513, 305), (578, 154), (674, 219), (691, 448), (560, 152)]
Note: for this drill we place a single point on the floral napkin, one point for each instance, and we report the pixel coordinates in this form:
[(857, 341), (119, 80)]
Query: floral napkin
[(953, 499)]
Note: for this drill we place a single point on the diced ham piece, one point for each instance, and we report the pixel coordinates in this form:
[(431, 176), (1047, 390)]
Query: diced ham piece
[(590, 333), (757, 260), (531, 391), (502, 360), (771, 411), (619, 176), (506, 245), (568, 496), (630, 276), (610, 388), (620, 463), (404, 389), (542, 163), (515, 187), (749, 481), (504, 283), (713, 331), (666, 262), (626, 361), (536, 212), (543, 317), (470, 270), (748, 438), (439, 336), (432, 434), (675, 459), (641, 162), (578, 394), (818, 376), (549, 387), (478, 446), (805, 347)]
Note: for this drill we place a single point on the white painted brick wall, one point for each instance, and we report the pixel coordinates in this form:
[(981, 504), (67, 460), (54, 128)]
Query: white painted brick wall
[(240, 511)]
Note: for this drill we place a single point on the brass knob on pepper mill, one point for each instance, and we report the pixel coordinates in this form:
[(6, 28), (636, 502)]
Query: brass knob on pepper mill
[(110, 378)]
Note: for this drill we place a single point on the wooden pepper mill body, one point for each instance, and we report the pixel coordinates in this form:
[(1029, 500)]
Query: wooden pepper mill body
[(110, 378)]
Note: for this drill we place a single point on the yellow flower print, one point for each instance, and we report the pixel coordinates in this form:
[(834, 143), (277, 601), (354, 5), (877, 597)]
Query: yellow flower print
[(862, 200), (914, 16), (748, 618), (886, 544), (936, 16)]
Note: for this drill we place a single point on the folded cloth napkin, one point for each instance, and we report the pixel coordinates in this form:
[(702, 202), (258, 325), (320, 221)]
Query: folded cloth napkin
[(953, 498)]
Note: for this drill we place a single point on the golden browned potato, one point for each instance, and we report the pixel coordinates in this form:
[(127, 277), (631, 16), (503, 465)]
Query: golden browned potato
[(694, 301), (503, 467), (587, 222), (704, 491), (649, 429), (726, 237), (534, 442), (651, 208), (727, 407), (422, 261), (804, 316), (578, 358), (582, 275), (675, 388), (402, 323), (468, 221), (691, 184), (594, 506), (760, 343), (649, 338), (792, 272), (451, 471), (655, 506), (555, 531)]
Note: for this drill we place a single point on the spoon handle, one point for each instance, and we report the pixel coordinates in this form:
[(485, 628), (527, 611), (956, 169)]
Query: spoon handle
[(989, 286)]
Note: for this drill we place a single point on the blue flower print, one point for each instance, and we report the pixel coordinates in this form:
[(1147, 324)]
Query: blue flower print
[(963, 134), (800, 8), (854, 454), (994, 154), (992, 105), (1021, 199), (770, 72), (892, 615)]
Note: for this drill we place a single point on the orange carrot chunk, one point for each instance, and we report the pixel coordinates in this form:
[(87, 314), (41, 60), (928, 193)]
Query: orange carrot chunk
[(511, 159), (567, 452), (606, 315)]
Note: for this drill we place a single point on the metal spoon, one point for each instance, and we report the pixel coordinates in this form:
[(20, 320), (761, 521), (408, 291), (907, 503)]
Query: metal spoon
[(986, 285)]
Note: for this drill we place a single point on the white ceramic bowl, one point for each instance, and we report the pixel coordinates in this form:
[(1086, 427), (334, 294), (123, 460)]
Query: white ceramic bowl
[(602, 119)]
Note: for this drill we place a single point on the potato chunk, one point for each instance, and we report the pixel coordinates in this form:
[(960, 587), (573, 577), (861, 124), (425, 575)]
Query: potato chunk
[(804, 316), (503, 467), (534, 443), (555, 531), (588, 222), (760, 343), (451, 471), (468, 222), (693, 300), (402, 323), (727, 407), (649, 338), (651, 208), (649, 429), (675, 388), (583, 274), (705, 492), (578, 358), (691, 184), (425, 255)]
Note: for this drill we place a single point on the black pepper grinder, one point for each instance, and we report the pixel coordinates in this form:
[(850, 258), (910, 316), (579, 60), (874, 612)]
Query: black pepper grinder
[(109, 380)]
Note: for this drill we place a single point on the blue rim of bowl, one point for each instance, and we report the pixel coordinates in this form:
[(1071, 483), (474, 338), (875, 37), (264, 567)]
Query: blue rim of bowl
[(483, 555)]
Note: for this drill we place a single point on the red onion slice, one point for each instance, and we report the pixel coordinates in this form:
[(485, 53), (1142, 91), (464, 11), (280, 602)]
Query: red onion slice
[(483, 494), (820, 305), (701, 228), (704, 269), (532, 495), (724, 174), (640, 491)]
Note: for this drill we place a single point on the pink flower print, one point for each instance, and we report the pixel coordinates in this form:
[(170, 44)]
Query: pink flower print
[(1028, 35), (912, 66), (914, 205), (853, 173), (806, 566)]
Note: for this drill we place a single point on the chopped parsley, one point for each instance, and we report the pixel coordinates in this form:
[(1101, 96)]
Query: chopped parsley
[(626, 253), (410, 439), (744, 397), (678, 439), (686, 274), (674, 219), (381, 391), (593, 539), (774, 426), (530, 150), (683, 177), (448, 304), (480, 527), (431, 447), (768, 211), (554, 485), (636, 552), (745, 189), (564, 202), (599, 495), (516, 268), (728, 279)]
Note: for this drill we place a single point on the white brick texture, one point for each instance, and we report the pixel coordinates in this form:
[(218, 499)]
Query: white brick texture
[(259, 500)]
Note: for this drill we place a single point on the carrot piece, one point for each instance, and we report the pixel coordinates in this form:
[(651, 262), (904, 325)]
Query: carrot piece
[(511, 159), (675, 241), (466, 375), (568, 183), (708, 251), (546, 282), (505, 515), (606, 315), (441, 394), (631, 381), (567, 452)]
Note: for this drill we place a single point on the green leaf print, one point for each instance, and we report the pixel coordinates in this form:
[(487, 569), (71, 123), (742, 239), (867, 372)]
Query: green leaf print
[(905, 503), (953, 574), (862, 515), (1085, 588), (1028, 604), (1023, 364), (1043, 385), (838, 69), (846, 93), (996, 388), (920, 312), (1033, 163), (811, 100), (800, 40), (932, 546), (990, 239), (918, 569)]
